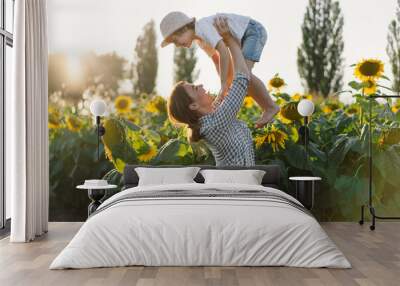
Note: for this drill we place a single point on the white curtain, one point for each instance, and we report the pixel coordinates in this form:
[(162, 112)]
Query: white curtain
[(26, 128)]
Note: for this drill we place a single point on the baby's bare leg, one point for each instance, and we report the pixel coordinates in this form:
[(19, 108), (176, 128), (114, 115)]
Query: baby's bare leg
[(260, 94)]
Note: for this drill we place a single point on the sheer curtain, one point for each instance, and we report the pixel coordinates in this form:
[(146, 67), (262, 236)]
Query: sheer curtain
[(26, 117)]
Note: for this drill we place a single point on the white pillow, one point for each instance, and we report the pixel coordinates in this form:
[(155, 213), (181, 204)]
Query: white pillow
[(165, 176), (248, 177)]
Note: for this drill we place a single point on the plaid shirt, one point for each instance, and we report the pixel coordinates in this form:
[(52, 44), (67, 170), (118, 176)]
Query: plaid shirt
[(228, 138)]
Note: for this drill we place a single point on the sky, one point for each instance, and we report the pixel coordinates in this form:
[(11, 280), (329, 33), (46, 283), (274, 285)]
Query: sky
[(78, 26)]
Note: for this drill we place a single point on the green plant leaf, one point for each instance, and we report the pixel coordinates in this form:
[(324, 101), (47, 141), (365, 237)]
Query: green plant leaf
[(170, 152), (355, 85), (130, 125), (119, 165), (385, 77), (387, 162), (296, 156), (152, 136), (350, 184), (340, 148)]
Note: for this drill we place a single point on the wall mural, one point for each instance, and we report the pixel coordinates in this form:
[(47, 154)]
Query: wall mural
[(139, 131)]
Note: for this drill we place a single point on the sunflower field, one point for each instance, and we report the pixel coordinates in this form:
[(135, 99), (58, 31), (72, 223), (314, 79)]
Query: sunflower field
[(138, 131)]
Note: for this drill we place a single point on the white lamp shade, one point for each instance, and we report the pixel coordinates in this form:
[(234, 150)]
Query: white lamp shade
[(305, 107), (97, 107)]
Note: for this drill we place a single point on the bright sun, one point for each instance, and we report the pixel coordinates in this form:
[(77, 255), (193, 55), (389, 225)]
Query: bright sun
[(74, 69)]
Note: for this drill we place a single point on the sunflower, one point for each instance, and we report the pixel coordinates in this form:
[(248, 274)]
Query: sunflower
[(276, 138), (133, 118), (54, 118), (73, 123), (330, 106), (289, 111), (298, 96), (123, 103), (248, 102), (156, 105), (370, 69), (276, 83), (259, 140), (283, 119), (150, 154), (351, 110), (396, 106), (334, 105), (326, 109), (369, 88), (151, 107)]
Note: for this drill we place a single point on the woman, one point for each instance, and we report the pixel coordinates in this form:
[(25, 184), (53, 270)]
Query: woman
[(228, 138)]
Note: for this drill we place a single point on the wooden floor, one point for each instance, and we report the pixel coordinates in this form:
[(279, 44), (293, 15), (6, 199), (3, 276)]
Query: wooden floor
[(375, 257)]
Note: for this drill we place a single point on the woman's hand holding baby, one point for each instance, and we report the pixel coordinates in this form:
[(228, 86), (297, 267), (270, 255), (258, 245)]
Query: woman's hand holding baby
[(221, 24)]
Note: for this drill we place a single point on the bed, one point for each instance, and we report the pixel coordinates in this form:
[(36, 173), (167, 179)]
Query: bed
[(198, 224)]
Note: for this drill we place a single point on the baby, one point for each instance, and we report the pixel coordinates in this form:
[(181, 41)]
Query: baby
[(178, 28)]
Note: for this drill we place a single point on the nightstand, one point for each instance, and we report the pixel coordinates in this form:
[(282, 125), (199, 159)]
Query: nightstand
[(305, 190), (95, 193)]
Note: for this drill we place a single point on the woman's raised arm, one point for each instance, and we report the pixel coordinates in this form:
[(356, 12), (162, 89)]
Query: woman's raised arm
[(227, 111), (239, 63)]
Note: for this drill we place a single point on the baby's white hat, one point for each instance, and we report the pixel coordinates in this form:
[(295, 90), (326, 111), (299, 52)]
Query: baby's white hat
[(172, 22)]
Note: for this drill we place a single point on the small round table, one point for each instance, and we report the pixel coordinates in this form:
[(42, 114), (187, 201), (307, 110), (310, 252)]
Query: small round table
[(305, 189), (95, 193)]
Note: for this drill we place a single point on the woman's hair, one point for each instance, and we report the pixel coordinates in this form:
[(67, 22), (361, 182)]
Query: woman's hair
[(179, 111)]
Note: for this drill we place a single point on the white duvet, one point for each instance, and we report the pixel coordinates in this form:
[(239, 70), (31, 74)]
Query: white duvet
[(200, 231)]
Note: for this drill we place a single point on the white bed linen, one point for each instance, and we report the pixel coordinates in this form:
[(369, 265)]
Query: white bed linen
[(206, 231)]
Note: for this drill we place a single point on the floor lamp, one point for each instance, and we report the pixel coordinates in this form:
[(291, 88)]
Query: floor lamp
[(98, 108), (305, 108)]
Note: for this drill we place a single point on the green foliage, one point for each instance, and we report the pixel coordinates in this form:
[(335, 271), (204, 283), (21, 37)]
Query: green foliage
[(146, 64), (72, 159), (319, 58), (142, 134), (175, 151), (184, 64), (337, 152)]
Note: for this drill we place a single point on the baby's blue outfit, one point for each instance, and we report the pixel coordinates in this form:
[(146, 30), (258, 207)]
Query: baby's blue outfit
[(253, 41)]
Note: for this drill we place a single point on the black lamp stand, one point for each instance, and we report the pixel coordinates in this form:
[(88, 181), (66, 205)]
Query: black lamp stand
[(100, 132), (305, 134)]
